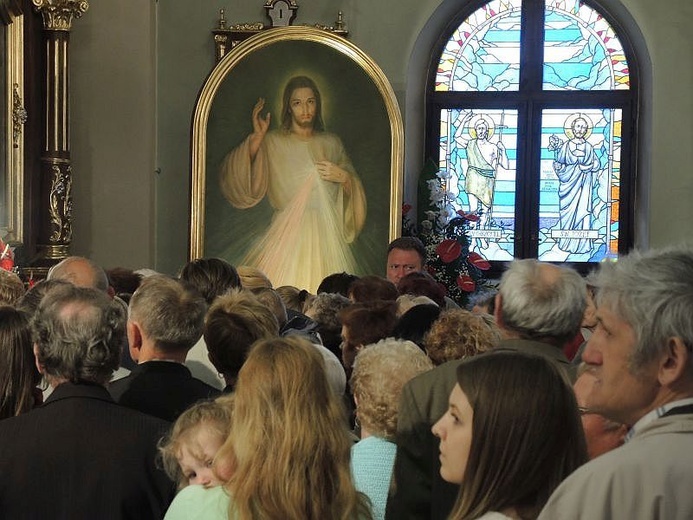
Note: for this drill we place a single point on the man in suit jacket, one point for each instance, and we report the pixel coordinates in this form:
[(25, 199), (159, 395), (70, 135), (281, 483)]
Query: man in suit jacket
[(80, 455), (165, 320), (539, 308)]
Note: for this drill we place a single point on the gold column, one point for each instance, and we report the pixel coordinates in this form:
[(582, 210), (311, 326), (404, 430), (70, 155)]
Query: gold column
[(55, 226)]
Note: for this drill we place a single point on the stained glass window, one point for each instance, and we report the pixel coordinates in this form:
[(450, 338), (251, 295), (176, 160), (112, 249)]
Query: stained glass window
[(579, 187), (484, 51), (581, 50), (531, 108), (479, 150)]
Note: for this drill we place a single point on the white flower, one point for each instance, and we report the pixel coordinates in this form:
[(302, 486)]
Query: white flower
[(426, 225), (437, 196), (444, 174)]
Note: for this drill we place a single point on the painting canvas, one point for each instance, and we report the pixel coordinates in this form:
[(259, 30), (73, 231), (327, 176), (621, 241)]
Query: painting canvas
[(296, 159)]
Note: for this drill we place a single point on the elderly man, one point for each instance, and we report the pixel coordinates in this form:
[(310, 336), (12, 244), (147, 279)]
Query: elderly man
[(165, 321), (81, 272), (640, 358), (539, 308), (80, 455)]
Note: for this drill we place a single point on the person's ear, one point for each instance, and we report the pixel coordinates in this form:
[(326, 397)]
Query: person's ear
[(134, 339), (497, 310), (674, 364), (39, 366)]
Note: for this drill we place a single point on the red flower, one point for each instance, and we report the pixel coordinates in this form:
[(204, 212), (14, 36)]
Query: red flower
[(466, 283), (478, 261), (406, 208), (449, 250), (471, 216), (7, 263)]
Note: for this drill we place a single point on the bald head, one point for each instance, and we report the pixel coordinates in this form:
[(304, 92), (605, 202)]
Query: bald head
[(80, 272)]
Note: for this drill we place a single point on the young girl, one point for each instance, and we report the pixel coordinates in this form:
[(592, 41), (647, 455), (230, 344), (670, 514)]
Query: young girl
[(511, 435), (188, 452)]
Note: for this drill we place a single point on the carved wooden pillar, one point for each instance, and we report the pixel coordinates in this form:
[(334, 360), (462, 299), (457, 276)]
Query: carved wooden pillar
[(55, 227)]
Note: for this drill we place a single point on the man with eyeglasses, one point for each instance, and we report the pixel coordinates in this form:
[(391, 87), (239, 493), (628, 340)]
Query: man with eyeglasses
[(602, 434)]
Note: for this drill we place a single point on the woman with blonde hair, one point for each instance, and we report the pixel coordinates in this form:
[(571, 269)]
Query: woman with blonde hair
[(459, 334), (288, 450), (511, 435), (380, 372), (188, 451)]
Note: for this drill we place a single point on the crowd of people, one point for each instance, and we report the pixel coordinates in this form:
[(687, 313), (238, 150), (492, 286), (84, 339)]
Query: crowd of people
[(215, 395)]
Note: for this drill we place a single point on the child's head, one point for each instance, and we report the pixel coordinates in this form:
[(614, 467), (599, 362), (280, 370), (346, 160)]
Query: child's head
[(188, 452)]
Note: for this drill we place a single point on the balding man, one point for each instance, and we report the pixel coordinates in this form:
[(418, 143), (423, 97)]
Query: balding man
[(81, 272), (80, 455), (539, 308), (641, 364)]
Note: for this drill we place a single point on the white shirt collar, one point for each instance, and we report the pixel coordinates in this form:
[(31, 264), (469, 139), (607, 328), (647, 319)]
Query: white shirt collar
[(656, 414)]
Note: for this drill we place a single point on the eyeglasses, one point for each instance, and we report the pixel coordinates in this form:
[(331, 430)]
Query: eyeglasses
[(584, 411)]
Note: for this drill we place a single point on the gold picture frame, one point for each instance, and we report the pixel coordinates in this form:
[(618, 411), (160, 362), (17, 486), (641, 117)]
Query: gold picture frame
[(358, 105), (12, 196)]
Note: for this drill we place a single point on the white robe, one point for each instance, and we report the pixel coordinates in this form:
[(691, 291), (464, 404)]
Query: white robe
[(314, 220)]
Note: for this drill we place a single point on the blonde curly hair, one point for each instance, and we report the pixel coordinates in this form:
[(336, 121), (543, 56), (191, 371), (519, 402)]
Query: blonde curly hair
[(458, 334), (380, 372)]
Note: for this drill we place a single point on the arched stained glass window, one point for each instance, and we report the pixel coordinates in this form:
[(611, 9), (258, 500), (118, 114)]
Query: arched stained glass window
[(531, 105), (484, 51)]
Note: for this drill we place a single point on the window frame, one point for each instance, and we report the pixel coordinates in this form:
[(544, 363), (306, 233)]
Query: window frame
[(530, 100)]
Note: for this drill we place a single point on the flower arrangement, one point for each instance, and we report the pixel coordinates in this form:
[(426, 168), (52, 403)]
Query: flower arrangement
[(6, 257), (443, 231)]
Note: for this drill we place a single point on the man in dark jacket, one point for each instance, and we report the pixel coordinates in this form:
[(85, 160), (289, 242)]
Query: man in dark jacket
[(80, 455), (165, 321)]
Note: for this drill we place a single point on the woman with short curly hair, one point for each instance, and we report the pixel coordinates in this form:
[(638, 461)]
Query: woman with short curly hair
[(380, 372), (458, 334)]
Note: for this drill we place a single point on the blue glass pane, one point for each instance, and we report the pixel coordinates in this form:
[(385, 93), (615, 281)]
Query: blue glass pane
[(581, 50), (479, 149), (483, 54), (580, 185)]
